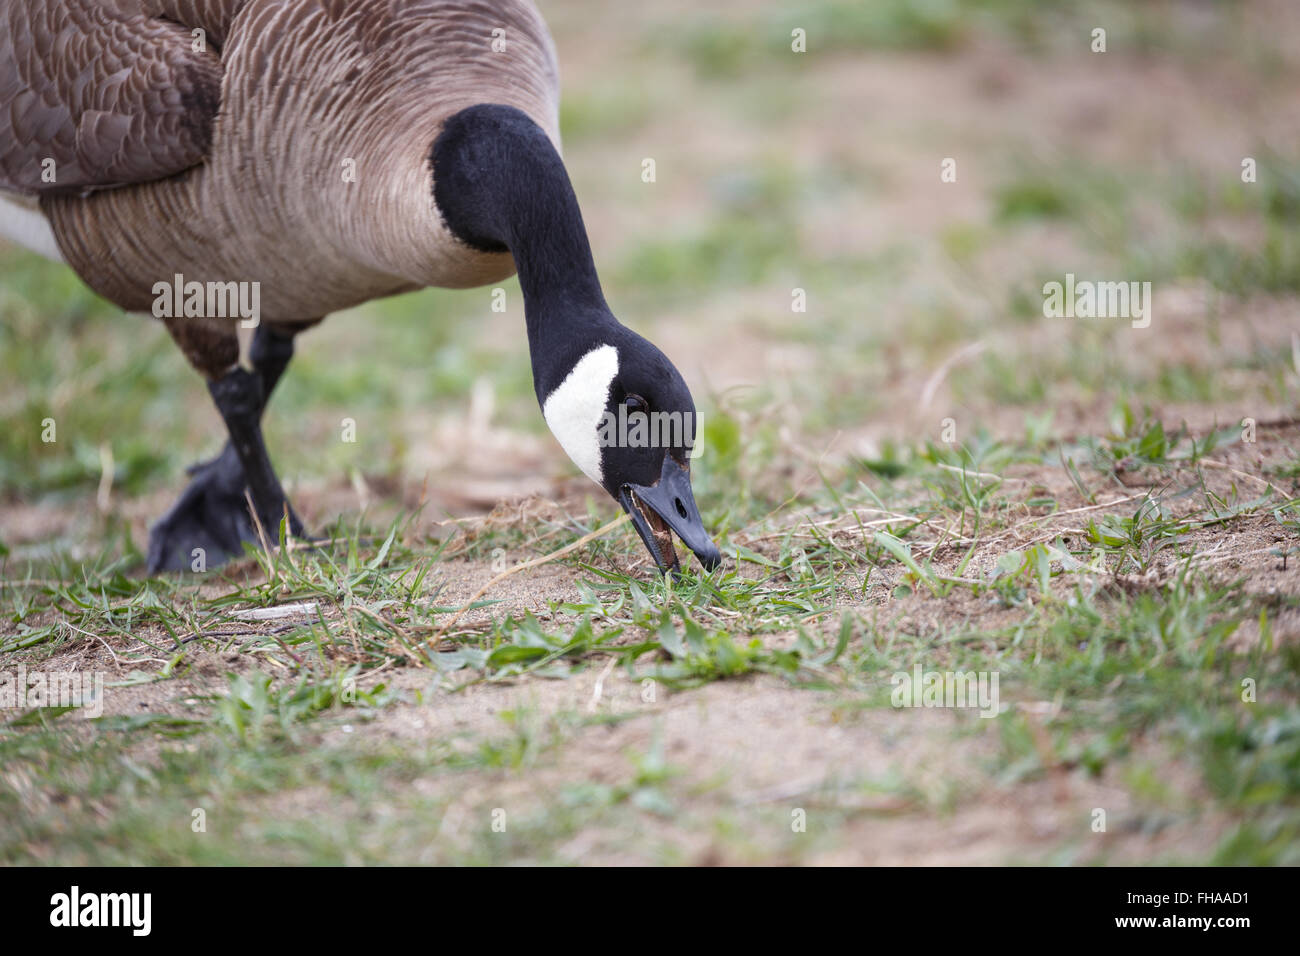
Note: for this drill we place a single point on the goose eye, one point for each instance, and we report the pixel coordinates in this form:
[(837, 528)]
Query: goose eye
[(635, 403)]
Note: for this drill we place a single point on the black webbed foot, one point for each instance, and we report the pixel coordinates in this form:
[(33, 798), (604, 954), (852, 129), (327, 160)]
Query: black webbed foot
[(209, 523)]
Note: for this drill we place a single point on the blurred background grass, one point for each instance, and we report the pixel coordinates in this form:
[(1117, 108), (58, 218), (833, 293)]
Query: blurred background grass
[(775, 171)]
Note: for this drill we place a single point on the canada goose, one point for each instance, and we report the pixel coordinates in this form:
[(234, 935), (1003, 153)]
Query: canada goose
[(323, 153)]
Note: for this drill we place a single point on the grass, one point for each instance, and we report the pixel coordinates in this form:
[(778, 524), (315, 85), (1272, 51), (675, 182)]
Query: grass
[(1117, 624), (1099, 530)]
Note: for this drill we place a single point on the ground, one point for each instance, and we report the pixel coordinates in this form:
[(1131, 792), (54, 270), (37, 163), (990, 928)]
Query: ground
[(920, 470)]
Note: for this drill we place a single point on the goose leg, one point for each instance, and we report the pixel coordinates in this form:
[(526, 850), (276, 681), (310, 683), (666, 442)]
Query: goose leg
[(210, 521), (270, 355)]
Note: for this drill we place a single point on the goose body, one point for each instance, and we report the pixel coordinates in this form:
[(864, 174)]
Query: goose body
[(315, 182), (325, 152)]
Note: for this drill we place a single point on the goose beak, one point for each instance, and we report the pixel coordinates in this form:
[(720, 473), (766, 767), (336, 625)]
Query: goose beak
[(667, 506)]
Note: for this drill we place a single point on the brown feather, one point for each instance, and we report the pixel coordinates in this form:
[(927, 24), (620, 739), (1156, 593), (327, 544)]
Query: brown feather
[(109, 94), (307, 85)]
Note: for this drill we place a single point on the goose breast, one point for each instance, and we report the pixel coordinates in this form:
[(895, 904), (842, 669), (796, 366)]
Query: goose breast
[(317, 182)]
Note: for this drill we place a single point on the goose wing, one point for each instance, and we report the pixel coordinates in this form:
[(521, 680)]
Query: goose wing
[(99, 93)]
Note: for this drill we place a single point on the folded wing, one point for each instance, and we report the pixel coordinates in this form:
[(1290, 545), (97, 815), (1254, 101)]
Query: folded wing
[(100, 93)]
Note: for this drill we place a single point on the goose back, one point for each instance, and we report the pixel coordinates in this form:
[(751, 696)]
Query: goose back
[(316, 180)]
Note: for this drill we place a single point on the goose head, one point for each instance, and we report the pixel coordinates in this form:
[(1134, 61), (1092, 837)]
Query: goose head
[(618, 407), (624, 415)]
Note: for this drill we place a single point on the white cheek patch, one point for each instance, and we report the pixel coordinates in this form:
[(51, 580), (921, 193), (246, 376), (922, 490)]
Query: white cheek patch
[(573, 411)]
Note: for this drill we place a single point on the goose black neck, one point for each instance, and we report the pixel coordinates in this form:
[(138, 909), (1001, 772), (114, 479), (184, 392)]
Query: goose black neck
[(501, 185)]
